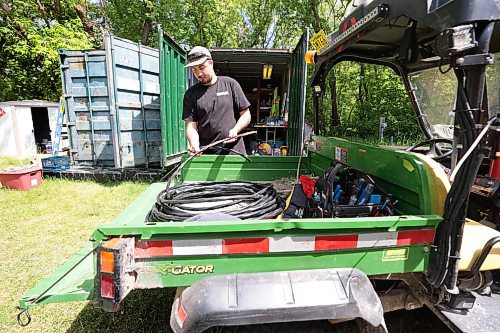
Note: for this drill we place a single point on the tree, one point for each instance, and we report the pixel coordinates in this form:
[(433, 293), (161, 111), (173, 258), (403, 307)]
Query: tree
[(30, 35)]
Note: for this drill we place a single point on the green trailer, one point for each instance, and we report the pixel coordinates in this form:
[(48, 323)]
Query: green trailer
[(128, 253), (426, 252)]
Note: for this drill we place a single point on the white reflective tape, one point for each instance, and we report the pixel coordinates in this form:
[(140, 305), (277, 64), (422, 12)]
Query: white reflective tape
[(196, 246), (378, 239), (291, 244)]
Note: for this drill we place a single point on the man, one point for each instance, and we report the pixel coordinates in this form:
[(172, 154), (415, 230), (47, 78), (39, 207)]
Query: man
[(212, 106)]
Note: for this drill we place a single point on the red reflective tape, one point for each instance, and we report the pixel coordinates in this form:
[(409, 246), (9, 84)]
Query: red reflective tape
[(352, 20), (344, 27), (148, 249), (245, 245), (415, 237), (325, 243), (181, 313), (107, 286)]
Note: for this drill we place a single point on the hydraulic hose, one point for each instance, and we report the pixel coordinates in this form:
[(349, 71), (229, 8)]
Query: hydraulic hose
[(243, 200)]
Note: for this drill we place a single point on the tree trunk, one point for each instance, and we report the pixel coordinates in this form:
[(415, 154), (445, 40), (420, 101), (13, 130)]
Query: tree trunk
[(5, 7), (333, 93), (313, 6), (57, 8), (146, 29), (81, 11), (41, 7)]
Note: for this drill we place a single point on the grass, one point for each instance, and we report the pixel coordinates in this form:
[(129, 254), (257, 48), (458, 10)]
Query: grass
[(8, 162), (41, 229)]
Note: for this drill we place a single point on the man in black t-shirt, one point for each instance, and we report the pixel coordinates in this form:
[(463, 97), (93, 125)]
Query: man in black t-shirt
[(215, 108)]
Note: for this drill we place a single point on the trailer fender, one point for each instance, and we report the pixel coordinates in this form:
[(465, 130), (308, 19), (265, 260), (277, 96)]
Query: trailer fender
[(242, 299)]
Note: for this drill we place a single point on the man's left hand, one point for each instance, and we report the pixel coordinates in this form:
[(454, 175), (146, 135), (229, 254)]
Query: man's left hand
[(232, 135)]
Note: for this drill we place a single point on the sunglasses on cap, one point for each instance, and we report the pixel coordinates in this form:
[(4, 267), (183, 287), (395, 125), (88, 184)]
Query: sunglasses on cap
[(196, 56)]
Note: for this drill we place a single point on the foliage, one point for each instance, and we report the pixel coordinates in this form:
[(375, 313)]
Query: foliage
[(368, 93), (29, 40), (31, 32)]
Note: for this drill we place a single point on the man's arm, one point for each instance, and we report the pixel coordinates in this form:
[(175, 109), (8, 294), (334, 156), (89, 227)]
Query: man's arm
[(192, 136), (242, 122)]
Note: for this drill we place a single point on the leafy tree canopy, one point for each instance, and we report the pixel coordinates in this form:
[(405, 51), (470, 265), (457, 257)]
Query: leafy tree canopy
[(32, 31)]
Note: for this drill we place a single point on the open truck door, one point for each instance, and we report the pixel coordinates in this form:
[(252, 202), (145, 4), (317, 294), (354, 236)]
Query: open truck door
[(298, 86)]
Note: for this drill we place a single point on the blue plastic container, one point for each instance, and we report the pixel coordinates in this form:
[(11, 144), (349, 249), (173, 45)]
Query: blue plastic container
[(55, 163)]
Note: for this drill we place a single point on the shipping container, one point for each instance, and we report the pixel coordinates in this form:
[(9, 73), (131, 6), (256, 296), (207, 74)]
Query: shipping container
[(125, 102), (113, 103), (272, 79), (29, 127)]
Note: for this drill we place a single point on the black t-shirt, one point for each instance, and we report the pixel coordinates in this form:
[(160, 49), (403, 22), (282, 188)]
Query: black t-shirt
[(215, 109)]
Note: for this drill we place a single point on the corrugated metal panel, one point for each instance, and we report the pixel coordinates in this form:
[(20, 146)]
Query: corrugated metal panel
[(173, 86), (297, 96), (113, 106), (137, 97)]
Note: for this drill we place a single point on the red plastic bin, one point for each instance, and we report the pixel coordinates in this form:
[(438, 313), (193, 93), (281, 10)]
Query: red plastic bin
[(24, 179)]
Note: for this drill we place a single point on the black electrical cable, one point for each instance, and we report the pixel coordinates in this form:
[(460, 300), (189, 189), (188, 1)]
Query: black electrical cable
[(444, 264), (244, 200)]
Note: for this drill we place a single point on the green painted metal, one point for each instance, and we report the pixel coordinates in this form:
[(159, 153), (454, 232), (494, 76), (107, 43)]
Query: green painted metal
[(397, 172), (297, 97), (131, 223), (406, 178), (258, 168), (154, 273), (173, 83), (73, 281)]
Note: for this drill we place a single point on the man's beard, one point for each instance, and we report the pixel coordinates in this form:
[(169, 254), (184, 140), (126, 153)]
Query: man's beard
[(206, 80)]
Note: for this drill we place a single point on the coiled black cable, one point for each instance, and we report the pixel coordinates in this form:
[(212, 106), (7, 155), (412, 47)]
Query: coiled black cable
[(244, 200)]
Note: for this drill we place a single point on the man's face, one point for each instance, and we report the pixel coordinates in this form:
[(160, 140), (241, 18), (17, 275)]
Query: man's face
[(204, 72)]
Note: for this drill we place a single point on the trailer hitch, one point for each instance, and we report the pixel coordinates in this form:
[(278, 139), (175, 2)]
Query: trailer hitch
[(20, 321)]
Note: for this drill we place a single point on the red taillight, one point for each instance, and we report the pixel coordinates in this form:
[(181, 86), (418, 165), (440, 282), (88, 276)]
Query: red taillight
[(107, 287)]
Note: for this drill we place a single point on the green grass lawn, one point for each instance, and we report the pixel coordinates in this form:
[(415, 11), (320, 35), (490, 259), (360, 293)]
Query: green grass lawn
[(40, 230)]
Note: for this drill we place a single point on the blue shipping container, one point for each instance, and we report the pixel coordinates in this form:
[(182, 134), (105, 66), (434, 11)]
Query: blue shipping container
[(113, 104)]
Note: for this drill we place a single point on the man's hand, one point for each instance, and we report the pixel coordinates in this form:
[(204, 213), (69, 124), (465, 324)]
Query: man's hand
[(193, 137), (192, 151), (232, 135)]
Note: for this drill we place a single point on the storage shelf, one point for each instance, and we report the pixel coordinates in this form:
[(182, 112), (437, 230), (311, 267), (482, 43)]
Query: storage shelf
[(270, 126)]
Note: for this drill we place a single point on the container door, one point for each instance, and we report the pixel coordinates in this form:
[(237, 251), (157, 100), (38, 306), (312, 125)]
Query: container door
[(297, 96), (173, 83), (8, 138), (90, 123), (23, 130), (136, 85)]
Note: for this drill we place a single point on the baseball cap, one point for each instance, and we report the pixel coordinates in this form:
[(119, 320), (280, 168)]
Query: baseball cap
[(198, 55)]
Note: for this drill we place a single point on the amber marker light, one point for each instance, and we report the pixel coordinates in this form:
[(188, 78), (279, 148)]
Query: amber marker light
[(309, 57), (107, 262)]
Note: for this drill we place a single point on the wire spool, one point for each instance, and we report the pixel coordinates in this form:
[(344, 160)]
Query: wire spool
[(243, 200)]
